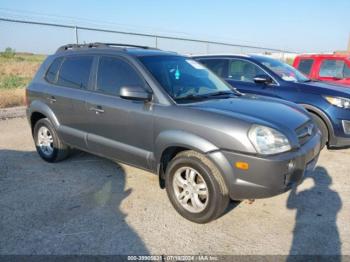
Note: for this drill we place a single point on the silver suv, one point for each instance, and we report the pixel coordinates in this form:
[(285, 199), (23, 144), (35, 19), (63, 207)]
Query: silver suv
[(166, 113)]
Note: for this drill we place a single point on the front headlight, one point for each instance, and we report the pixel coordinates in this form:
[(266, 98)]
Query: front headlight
[(268, 141), (338, 101)]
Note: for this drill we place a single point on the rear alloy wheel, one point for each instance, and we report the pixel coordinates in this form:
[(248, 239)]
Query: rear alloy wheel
[(47, 143), (195, 187)]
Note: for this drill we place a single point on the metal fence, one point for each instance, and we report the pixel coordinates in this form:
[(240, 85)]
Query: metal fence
[(65, 33)]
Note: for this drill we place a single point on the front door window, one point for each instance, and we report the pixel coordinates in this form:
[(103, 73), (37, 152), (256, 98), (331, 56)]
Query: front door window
[(245, 71)]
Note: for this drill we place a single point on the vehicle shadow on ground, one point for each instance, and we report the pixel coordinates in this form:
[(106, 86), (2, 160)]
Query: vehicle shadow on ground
[(71, 207), (231, 206), (315, 230)]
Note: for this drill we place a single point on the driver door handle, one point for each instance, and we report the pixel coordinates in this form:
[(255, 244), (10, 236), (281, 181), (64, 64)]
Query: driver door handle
[(52, 99), (97, 109)]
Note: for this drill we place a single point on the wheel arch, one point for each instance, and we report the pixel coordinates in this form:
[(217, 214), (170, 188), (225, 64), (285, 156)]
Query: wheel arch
[(170, 143), (38, 110), (318, 112)]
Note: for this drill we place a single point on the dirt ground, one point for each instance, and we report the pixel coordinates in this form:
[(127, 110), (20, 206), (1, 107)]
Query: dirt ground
[(89, 205)]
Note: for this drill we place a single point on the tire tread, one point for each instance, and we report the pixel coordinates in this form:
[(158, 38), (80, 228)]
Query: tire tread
[(224, 192), (63, 150)]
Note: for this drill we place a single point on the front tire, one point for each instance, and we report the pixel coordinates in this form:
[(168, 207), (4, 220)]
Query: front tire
[(195, 187), (47, 143), (323, 128)]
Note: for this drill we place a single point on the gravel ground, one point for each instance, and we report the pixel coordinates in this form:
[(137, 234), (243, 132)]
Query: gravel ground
[(89, 205), (12, 112)]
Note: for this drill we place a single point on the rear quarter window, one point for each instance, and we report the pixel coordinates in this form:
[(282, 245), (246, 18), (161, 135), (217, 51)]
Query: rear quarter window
[(51, 74), (75, 72), (305, 66)]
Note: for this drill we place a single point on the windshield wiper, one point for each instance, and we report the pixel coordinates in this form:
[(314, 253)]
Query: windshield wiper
[(223, 93), (237, 92), (191, 97), (310, 80)]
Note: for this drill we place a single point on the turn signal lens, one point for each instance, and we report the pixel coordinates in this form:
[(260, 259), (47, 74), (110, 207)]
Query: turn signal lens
[(242, 165)]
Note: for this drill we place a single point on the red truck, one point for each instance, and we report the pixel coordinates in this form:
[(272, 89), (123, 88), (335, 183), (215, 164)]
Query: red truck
[(325, 67)]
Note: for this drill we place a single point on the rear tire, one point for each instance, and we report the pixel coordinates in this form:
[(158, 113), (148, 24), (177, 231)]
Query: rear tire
[(195, 187), (323, 128), (47, 143)]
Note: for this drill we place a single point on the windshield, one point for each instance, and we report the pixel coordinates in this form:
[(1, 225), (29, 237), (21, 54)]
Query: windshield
[(182, 77), (285, 71)]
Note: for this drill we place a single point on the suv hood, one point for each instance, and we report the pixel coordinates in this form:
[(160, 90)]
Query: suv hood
[(325, 88), (256, 109)]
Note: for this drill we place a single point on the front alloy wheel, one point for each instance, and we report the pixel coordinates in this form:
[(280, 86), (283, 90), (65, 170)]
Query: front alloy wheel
[(195, 187), (190, 189)]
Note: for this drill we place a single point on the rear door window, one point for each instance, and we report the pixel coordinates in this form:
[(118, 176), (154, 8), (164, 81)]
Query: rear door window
[(305, 66), (75, 72), (332, 68)]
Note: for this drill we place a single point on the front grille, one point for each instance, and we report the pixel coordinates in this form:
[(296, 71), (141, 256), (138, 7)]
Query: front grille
[(305, 132)]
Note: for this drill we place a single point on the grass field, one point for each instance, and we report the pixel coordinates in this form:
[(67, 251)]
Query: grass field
[(16, 71)]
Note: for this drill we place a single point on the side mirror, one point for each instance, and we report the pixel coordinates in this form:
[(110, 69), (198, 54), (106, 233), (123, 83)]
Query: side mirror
[(135, 93), (263, 79)]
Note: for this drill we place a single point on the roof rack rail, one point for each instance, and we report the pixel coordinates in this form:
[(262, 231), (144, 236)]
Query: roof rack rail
[(124, 45), (99, 45), (74, 46)]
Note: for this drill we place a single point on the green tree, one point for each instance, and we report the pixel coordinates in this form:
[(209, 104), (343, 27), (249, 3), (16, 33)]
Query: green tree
[(9, 53)]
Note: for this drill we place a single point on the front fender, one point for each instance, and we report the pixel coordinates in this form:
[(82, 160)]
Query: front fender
[(179, 138)]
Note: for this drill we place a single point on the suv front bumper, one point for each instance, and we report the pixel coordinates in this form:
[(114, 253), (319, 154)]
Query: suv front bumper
[(267, 176), (342, 137), (338, 125)]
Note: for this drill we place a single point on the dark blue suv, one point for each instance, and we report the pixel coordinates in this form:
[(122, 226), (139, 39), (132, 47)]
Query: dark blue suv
[(328, 104)]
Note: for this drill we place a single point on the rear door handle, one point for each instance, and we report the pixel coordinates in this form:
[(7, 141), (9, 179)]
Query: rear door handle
[(97, 109), (52, 99)]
